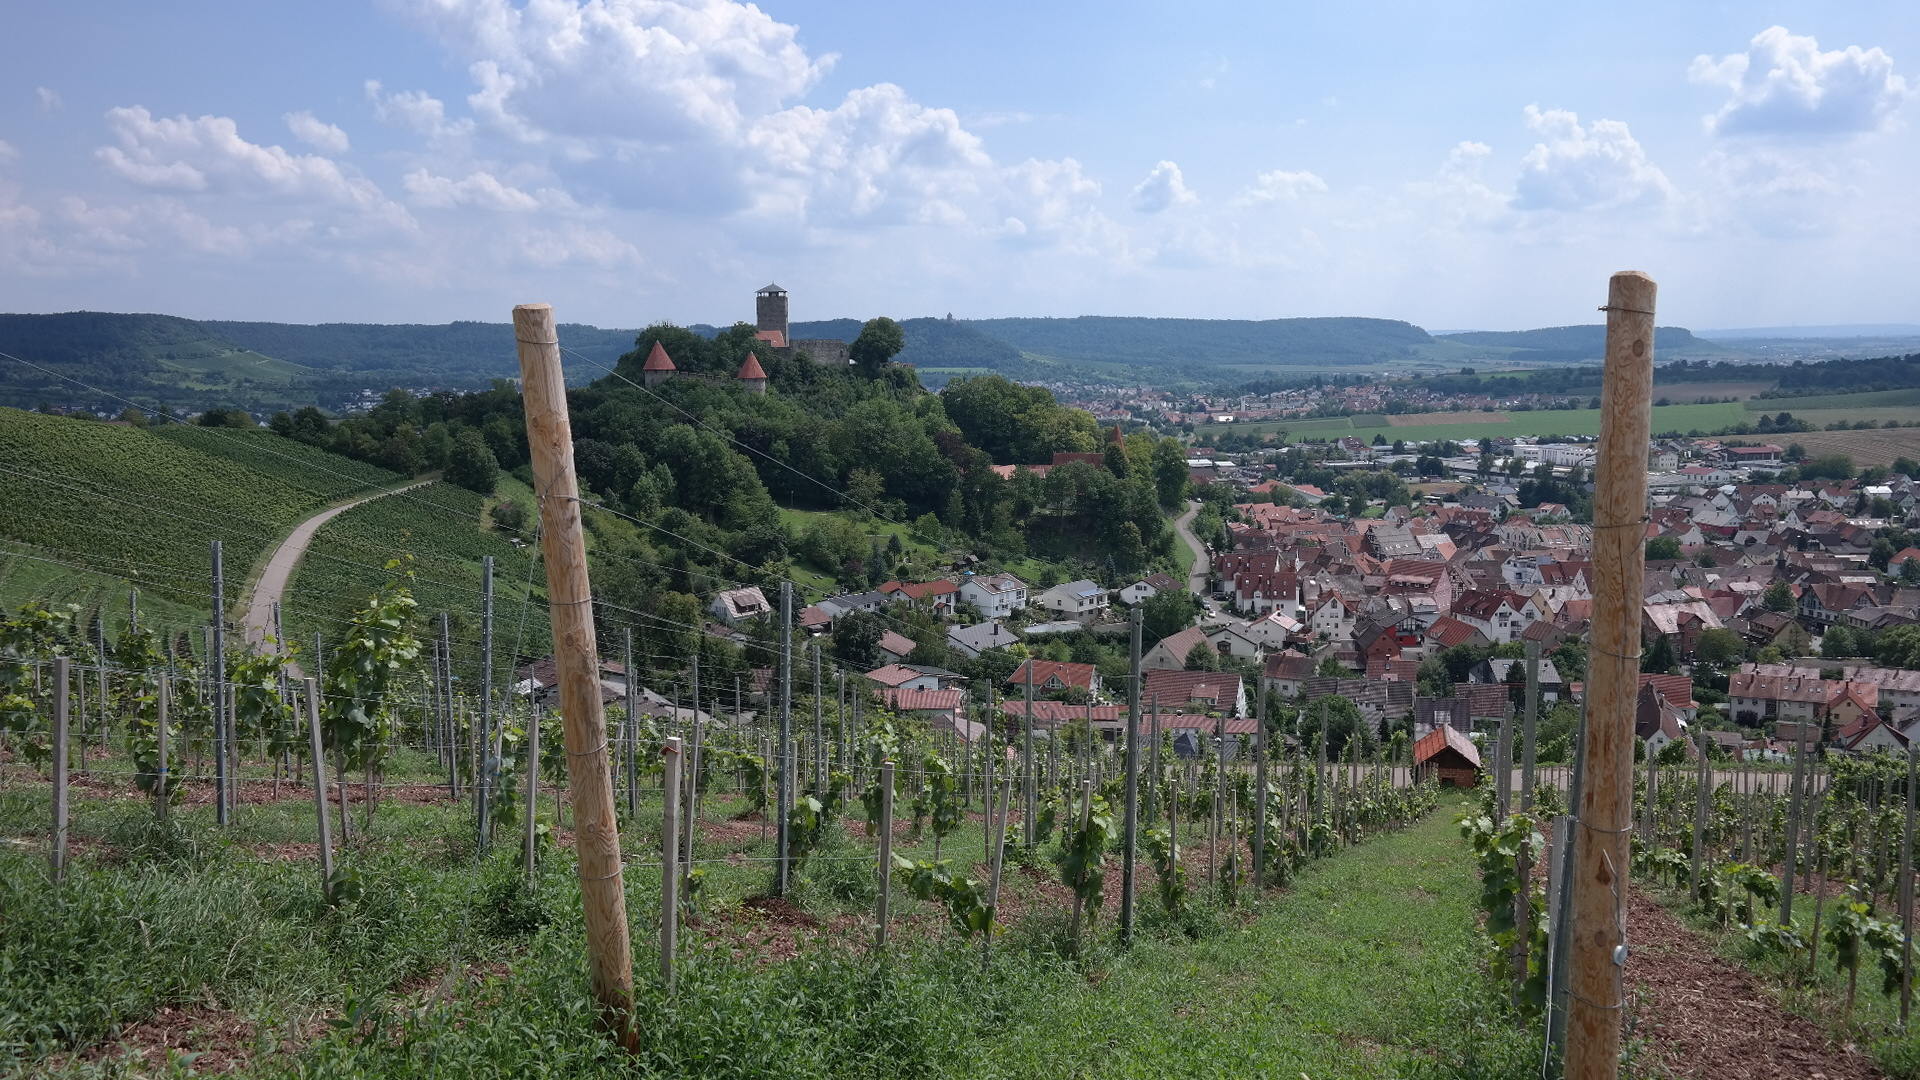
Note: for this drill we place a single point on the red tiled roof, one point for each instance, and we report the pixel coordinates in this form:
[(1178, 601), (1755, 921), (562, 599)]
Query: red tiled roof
[(1080, 675), (752, 369), (657, 360), (1448, 631), (1179, 687), (920, 700), (896, 643), (775, 338)]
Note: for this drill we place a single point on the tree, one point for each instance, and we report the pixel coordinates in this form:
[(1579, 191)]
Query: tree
[(1658, 659), (856, 639), (1166, 613), (1719, 647), (880, 340), (1663, 547), (471, 464), (1778, 597), (1837, 642), (1202, 657), (1344, 722), (1169, 472), (1910, 571)]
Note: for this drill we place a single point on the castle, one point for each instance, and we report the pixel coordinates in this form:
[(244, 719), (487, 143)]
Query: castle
[(770, 320), (770, 314)]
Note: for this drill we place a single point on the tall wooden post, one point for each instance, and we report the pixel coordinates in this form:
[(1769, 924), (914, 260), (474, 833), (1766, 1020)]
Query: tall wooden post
[(633, 728), (489, 765), (783, 787), (161, 788), (885, 868), (1260, 786), (1131, 828), (1597, 949), (1793, 828), (1906, 892), (61, 723), (570, 598), (223, 765), (1029, 793), (669, 858), (320, 783), (533, 793), (1533, 717)]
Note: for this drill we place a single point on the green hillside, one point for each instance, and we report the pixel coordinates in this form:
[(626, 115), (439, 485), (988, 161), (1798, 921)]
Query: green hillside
[(1576, 344), (459, 354), (1325, 343), (152, 359)]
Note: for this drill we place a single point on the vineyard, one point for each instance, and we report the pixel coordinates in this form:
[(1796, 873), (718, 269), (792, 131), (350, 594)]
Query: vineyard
[(425, 917)]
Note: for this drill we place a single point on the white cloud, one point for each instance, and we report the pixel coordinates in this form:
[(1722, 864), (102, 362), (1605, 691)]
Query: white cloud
[(1281, 186), (690, 106), (1163, 188), (7, 152), (1597, 167), (1784, 85), (415, 111), (48, 100), (209, 155), (481, 189), (316, 133)]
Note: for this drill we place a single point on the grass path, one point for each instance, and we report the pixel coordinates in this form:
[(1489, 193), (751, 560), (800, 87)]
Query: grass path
[(1358, 970)]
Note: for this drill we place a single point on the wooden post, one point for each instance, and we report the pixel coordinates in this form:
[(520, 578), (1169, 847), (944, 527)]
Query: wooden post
[(162, 790), (487, 766), (320, 783), (570, 596), (1906, 894), (1029, 795), (1533, 715), (997, 853), (669, 859), (1131, 826), (885, 869), (1597, 950), (1259, 786), (61, 705), (1793, 829), (693, 798), (223, 767), (1700, 800), (533, 792), (783, 787), (633, 729)]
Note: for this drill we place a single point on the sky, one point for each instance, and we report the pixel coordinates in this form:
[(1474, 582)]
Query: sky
[(1458, 165)]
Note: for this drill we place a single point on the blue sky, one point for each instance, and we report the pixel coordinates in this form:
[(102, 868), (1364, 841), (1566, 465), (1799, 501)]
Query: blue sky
[(1459, 165)]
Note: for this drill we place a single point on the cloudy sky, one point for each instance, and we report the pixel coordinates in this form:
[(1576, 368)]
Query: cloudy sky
[(1459, 165)]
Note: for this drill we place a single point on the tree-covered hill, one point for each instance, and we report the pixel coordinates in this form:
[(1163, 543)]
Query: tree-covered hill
[(1575, 344), (1327, 342), (422, 352)]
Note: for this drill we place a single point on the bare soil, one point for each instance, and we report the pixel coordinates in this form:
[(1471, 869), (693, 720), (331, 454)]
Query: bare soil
[(1705, 1017)]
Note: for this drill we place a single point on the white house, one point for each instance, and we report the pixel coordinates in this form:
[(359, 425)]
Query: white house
[(1082, 601), (738, 605), (995, 596), (1274, 631), (1332, 616), (1231, 640), (1500, 616), (1147, 588)]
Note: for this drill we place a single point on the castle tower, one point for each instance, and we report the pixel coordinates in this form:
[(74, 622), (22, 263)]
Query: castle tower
[(658, 368), (770, 314), (753, 377)]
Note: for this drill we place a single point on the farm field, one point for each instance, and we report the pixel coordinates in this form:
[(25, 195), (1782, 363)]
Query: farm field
[(1878, 446), (143, 506), (1680, 418), (445, 963), (1872, 399)]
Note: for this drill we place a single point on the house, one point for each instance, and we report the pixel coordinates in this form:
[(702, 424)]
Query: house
[(1681, 623), (1756, 698), (1285, 672), (906, 677), (1656, 720), (1230, 640), (1082, 601), (1274, 630), (1054, 676), (971, 641), (1514, 672), (836, 606), (1447, 632), (1172, 651), (540, 681), (994, 596), (1431, 712), (736, 606), (1332, 617), (1448, 755), (1868, 734), (1221, 691), (1147, 588), (1500, 616), (935, 596), (1259, 592), (896, 645), (943, 709)]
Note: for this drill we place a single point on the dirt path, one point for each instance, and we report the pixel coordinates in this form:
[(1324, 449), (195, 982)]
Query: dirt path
[(257, 625), (1706, 1017)]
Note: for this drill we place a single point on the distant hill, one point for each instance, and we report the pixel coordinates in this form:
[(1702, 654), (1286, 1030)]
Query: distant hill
[(188, 365), (1575, 344), (1327, 342)]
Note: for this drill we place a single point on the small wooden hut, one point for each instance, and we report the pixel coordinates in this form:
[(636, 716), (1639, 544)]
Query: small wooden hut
[(1446, 753)]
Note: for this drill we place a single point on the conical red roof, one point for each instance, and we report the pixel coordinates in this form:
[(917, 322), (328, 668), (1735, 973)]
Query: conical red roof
[(657, 360), (1114, 436), (752, 369)]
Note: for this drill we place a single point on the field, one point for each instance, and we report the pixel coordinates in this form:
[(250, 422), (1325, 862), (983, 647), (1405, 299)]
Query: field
[(1681, 418), (440, 526), (1873, 447), (1684, 393), (132, 503), (1873, 399), (219, 944)]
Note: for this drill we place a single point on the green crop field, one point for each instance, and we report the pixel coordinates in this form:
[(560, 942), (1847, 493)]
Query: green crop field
[(1872, 399), (327, 476), (128, 502), (1680, 418), (440, 526)]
